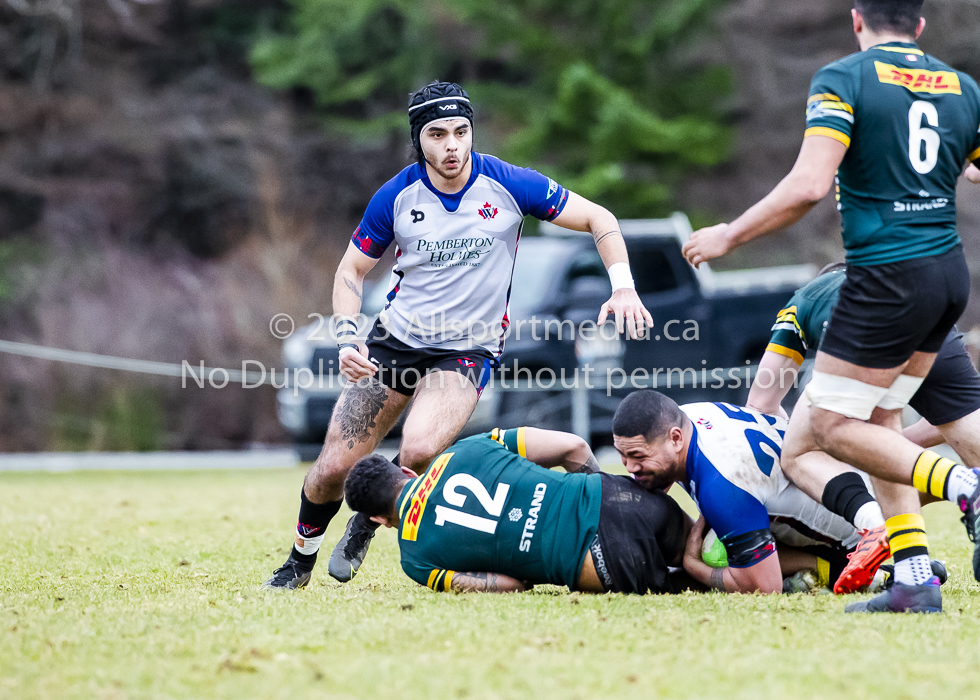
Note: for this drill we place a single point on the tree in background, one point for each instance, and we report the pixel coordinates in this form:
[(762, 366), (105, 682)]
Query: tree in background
[(608, 97)]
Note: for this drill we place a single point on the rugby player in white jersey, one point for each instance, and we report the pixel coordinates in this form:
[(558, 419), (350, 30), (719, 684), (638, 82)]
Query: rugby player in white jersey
[(727, 459), (455, 217)]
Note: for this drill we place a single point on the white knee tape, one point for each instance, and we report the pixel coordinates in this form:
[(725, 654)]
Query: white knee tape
[(901, 392), (843, 395)]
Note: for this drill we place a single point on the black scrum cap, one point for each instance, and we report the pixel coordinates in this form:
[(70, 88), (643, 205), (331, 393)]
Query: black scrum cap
[(434, 102)]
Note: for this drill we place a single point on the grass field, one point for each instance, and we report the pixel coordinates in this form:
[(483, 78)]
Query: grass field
[(144, 585)]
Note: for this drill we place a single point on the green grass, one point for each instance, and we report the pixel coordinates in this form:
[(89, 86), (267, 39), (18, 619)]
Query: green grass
[(144, 585)]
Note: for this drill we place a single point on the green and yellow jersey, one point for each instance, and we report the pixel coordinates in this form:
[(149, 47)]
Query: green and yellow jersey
[(801, 324), (482, 506), (910, 123)]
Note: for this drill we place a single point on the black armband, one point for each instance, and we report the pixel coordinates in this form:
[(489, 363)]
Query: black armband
[(748, 548)]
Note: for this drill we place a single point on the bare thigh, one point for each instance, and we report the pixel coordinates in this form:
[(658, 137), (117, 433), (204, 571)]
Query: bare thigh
[(365, 412), (442, 404), (801, 459), (876, 447)]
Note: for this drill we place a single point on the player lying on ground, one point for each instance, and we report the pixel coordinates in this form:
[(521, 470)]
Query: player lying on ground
[(455, 217), (489, 516), (894, 128), (727, 458), (948, 401)]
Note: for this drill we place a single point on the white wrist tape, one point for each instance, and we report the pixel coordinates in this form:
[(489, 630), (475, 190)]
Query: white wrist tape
[(620, 276)]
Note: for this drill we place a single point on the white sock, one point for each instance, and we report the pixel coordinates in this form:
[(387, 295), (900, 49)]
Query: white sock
[(913, 571), (308, 545), (962, 482), (869, 516)]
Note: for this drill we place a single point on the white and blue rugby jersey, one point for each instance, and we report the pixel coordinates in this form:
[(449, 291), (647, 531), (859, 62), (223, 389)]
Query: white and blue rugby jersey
[(450, 284), (733, 474)]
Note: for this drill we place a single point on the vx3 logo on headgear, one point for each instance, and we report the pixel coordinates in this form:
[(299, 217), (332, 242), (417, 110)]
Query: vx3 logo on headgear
[(488, 211), (446, 108)]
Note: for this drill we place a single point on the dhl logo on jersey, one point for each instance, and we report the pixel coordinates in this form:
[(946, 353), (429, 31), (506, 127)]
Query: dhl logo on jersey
[(410, 529), (935, 82)]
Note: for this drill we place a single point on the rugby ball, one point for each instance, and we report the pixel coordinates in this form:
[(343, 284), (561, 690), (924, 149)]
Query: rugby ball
[(713, 551)]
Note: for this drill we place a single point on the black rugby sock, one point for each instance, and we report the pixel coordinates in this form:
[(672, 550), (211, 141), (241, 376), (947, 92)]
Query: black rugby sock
[(845, 494), (312, 524)]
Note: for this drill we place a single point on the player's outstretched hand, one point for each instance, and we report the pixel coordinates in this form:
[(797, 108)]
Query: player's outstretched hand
[(626, 307), (973, 174), (356, 365), (695, 540), (706, 244)]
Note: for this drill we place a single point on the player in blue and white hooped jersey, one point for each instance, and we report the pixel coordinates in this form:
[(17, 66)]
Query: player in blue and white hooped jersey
[(455, 218), (727, 458)]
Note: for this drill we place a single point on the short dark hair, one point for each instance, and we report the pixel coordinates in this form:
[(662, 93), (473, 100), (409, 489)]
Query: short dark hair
[(648, 413), (372, 485), (899, 16)]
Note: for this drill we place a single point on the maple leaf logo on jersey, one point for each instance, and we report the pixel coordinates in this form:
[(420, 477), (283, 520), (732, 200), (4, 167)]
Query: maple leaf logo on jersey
[(488, 212)]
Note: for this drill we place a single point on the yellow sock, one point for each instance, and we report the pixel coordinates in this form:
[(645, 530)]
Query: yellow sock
[(931, 473), (823, 573), (906, 532), (910, 549)]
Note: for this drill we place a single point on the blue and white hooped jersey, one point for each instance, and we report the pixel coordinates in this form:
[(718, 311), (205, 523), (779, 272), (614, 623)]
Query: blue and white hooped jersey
[(733, 475), (450, 285)]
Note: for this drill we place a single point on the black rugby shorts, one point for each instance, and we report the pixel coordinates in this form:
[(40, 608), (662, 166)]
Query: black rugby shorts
[(401, 367), (640, 531), (887, 312), (952, 388)]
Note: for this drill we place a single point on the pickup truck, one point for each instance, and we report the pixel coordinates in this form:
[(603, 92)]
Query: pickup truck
[(702, 320)]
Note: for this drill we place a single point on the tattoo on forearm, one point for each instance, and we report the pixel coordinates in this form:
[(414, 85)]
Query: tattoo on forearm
[(590, 467), (717, 580), (472, 582), (489, 582), (353, 287), (477, 582), (363, 402), (602, 236)]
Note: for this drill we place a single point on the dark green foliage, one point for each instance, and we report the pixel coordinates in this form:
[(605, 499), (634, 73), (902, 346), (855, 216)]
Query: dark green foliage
[(18, 256), (121, 419), (609, 97)]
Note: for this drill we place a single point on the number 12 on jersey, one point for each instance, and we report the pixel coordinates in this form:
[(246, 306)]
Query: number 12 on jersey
[(493, 506)]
